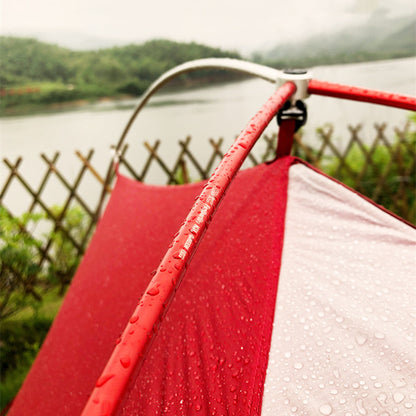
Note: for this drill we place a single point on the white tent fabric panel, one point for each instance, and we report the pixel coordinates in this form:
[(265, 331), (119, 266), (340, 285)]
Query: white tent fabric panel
[(344, 336)]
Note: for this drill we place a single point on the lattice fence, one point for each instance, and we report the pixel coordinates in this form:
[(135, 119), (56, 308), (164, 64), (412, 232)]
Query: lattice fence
[(383, 170)]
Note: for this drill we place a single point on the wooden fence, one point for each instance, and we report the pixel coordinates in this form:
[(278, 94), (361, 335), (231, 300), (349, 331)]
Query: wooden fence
[(383, 170)]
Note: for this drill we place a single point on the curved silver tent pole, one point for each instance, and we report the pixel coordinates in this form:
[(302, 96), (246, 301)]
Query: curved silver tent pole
[(269, 74), (261, 71)]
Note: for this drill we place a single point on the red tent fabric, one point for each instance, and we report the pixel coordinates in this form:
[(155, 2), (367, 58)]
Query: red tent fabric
[(135, 231), (338, 338)]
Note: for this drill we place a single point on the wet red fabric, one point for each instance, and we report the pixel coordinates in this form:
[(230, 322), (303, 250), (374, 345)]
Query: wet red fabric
[(210, 353)]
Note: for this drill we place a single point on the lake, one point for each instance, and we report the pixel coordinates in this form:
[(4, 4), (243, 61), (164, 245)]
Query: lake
[(212, 111)]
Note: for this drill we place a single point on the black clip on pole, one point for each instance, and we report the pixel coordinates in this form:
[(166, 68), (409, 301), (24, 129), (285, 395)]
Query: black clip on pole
[(295, 112)]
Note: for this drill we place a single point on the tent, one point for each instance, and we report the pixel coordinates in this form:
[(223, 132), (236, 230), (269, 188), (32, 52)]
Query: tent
[(298, 299)]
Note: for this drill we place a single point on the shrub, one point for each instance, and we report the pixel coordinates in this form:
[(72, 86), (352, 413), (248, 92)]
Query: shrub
[(23, 280), (133, 88), (20, 342), (20, 273), (386, 174)]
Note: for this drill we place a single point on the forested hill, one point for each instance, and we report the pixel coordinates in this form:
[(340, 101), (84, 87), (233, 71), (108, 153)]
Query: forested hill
[(26, 60), (36, 72)]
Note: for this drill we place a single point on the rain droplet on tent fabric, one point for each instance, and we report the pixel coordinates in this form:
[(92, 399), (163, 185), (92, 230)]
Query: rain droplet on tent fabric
[(399, 382), (398, 397), (153, 291), (125, 361), (361, 339), (235, 373), (381, 398), (103, 379), (325, 409), (360, 407), (134, 319)]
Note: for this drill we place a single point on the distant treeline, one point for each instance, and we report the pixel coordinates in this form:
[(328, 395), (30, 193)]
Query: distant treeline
[(34, 72)]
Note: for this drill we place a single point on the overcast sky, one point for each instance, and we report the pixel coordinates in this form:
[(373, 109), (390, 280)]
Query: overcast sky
[(236, 24)]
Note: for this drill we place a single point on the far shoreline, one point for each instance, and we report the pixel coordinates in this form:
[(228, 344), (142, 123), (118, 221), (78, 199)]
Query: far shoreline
[(26, 109), (35, 109)]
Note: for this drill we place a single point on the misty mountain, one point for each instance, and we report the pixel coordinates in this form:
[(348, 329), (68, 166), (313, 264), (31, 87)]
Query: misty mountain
[(380, 38)]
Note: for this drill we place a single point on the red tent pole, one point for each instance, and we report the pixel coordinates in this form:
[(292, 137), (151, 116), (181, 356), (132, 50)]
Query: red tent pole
[(361, 94), (131, 347), (285, 138)]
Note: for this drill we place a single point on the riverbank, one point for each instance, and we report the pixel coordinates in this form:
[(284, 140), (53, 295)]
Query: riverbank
[(46, 97), (25, 106), (26, 109)]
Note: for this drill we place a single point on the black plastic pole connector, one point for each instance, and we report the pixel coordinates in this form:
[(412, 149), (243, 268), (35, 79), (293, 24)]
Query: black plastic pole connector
[(295, 112)]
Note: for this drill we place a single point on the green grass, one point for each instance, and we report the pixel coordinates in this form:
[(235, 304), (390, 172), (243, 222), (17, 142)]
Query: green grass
[(20, 339)]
